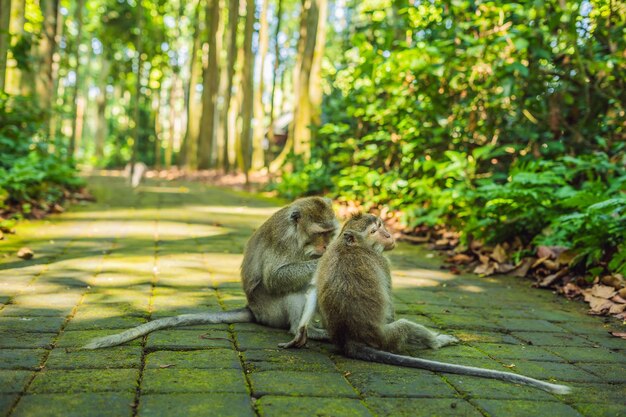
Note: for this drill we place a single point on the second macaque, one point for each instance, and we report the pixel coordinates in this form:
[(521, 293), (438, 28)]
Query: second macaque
[(353, 284)]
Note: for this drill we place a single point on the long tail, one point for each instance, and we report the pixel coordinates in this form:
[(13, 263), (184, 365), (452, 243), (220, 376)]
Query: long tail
[(240, 315), (359, 351)]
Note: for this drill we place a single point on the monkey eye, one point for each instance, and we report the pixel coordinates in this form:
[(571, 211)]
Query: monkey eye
[(373, 231)]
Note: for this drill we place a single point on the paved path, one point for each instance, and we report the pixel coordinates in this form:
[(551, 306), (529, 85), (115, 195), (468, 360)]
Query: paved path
[(176, 248)]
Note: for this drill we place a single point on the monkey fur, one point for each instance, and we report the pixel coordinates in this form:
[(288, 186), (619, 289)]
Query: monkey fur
[(278, 263)]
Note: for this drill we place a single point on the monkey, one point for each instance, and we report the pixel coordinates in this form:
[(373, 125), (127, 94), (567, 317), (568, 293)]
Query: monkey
[(279, 260), (353, 285)]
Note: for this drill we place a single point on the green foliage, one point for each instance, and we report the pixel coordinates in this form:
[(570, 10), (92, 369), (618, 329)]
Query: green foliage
[(29, 174), (502, 119)]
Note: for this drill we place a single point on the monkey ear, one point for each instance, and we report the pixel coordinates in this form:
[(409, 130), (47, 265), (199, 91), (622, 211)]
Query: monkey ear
[(295, 215), (328, 201), (349, 237)]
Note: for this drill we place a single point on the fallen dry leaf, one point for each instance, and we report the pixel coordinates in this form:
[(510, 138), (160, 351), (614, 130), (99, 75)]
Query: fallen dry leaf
[(619, 334), (485, 269), (602, 291), (571, 290), (460, 258), (616, 281), (618, 299), (505, 268), (598, 305), (617, 308), (551, 279), (539, 262), (622, 293), (550, 252), (25, 253), (169, 365), (499, 254), (522, 268), (442, 243), (476, 245), (551, 265), (545, 252)]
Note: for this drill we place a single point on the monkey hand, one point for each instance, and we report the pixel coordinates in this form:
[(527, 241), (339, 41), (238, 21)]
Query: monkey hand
[(445, 340), (298, 341)]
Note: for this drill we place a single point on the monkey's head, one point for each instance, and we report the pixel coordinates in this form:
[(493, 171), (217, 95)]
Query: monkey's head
[(315, 224), (369, 231)]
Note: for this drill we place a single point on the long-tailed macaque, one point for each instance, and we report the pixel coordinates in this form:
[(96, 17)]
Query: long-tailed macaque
[(354, 289), (278, 263)]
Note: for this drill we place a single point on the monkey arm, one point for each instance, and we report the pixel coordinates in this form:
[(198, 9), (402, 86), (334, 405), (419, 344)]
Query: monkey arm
[(290, 277)]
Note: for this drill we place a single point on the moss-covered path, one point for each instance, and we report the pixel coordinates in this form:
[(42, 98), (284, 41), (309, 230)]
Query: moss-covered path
[(175, 248)]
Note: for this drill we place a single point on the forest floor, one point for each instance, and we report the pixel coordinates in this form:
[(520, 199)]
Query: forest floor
[(175, 247)]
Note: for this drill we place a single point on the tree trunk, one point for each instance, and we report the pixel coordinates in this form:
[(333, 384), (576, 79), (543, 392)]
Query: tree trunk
[(231, 48), (247, 86), (299, 139), (16, 29), (209, 92), (136, 116), (189, 150), (315, 83), (278, 17), (75, 104), (101, 104), (5, 39), (258, 138), (302, 116), (56, 64), (169, 151), (47, 49), (158, 102)]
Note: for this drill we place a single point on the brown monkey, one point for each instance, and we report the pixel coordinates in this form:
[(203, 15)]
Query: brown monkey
[(278, 263), (354, 290)]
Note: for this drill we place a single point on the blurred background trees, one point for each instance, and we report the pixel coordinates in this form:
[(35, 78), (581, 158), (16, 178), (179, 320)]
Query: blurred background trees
[(505, 120)]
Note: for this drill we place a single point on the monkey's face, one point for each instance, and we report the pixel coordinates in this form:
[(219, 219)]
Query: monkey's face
[(378, 236), (316, 224), (319, 242)]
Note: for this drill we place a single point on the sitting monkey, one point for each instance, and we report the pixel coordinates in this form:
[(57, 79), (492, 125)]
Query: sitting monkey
[(278, 263), (353, 282)]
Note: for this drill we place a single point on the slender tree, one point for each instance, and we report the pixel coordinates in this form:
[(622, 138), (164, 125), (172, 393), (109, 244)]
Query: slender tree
[(315, 84), (302, 116), (231, 59), (5, 40), (299, 139), (101, 105), (45, 79), (189, 150), (16, 29), (209, 92), (139, 62), (258, 152), (247, 81), (77, 125), (278, 17)]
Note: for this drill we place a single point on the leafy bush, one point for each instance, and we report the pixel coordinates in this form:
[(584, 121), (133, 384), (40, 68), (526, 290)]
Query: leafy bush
[(29, 173), (503, 120)]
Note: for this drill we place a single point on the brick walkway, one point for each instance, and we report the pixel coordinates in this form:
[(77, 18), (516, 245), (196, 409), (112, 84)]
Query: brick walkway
[(176, 249)]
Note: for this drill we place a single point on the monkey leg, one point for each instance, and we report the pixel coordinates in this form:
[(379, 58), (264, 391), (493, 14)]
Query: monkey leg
[(298, 341), (403, 333)]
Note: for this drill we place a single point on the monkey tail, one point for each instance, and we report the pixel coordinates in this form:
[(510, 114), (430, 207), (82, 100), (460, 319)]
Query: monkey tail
[(240, 315), (363, 352)]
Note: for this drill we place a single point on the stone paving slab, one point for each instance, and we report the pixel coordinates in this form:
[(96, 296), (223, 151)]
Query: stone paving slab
[(173, 248)]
